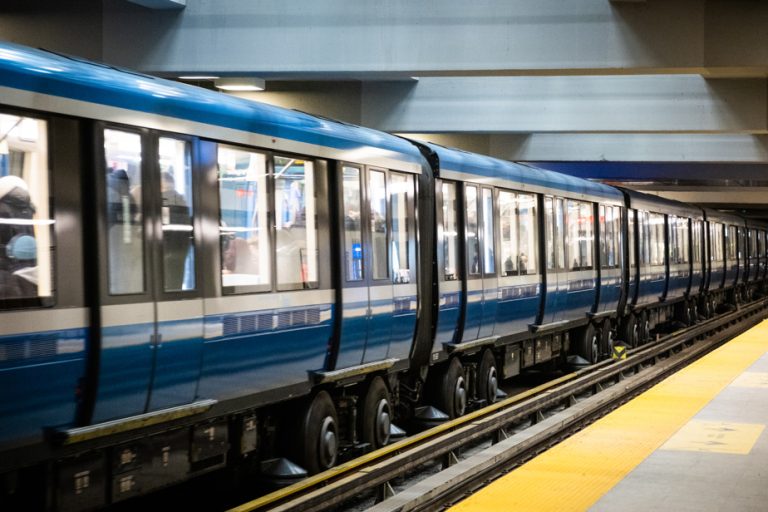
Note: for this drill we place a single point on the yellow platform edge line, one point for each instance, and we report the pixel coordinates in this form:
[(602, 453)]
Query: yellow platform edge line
[(579, 471)]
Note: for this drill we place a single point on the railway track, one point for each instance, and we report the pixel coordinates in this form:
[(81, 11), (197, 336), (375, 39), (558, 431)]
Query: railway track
[(518, 428)]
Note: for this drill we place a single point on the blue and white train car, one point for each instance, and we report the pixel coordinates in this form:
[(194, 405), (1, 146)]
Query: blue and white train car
[(526, 258), (177, 265)]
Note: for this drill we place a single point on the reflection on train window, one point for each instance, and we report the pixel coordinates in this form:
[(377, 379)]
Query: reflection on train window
[(377, 193), (353, 238), (580, 235), (401, 198), (450, 232), (716, 241), (696, 237), (295, 222), (678, 240), (176, 214), (516, 225), (656, 228), (730, 241), (549, 227), (125, 230), (560, 233), (610, 230), (529, 253), (489, 262), (473, 240), (244, 231), (26, 242), (508, 228)]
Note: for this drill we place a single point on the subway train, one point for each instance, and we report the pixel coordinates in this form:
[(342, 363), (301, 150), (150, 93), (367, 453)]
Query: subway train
[(191, 281)]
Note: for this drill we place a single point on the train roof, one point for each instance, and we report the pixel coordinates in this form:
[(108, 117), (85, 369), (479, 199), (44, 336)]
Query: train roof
[(51, 74), (460, 164), (723, 217), (653, 203)]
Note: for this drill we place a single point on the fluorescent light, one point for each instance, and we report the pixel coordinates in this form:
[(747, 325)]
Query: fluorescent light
[(198, 77), (242, 84)]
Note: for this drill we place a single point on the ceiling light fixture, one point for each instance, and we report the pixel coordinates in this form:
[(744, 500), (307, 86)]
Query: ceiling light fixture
[(241, 84), (198, 77)]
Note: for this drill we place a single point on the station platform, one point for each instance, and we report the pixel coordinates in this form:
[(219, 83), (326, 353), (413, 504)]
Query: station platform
[(695, 441)]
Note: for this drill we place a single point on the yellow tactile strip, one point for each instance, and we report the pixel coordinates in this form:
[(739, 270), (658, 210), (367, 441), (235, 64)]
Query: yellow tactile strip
[(576, 473)]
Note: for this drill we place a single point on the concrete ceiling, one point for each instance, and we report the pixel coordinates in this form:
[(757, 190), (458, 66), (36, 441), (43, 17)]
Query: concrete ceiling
[(670, 90)]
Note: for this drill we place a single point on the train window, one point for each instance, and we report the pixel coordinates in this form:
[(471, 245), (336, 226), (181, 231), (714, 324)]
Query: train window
[(526, 208), (753, 243), (176, 214), (377, 192), (761, 243), (550, 232), (473, 240), (26, 242), (656, 228), (401, 199), (295, 224), (489, 263), (353, 246), (580, 235), (125, 230), (678, 240), (560, 233), (609, 233), (508, 228), (730, 241), (644, 237), (696, 237), (244, 228), (450, 231), (716, 241)]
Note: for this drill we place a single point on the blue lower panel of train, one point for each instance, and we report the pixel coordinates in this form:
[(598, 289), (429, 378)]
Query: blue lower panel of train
[(517, 308), (249, 354), (39, 377)]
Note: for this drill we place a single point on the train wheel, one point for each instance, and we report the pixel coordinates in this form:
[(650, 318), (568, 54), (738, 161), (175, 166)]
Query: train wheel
[(452, 391), (631, 331), (644, 328), (319, 435), (606, 339), (377, 414), (589, 344), (487, 378)]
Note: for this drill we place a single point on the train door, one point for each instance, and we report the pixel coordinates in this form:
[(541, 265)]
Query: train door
[(367, 290), (473, 313), (150, 312), (451, 298), (554, 247), (490, 277)]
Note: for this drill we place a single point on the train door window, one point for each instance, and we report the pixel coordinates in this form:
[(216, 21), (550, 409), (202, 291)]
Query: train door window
[(526, 213), (295, 223), (656, 227), (489, 261), (696, 237), (684, 238), (473, 240), (609, 231), (176, 214), (549, 221), (731, 243), (353, 236), (643, 225), (508, 227), (450, 227), (716, 241), (560, 255), (125, 228), (26, 241), (580, 239), (401, 203), (761, 243), (244, 228), (631, 227), (753, 243), (377, 194), (674, 248)]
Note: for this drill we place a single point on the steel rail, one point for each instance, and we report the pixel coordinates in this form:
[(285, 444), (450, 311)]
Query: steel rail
[(376, 469)]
